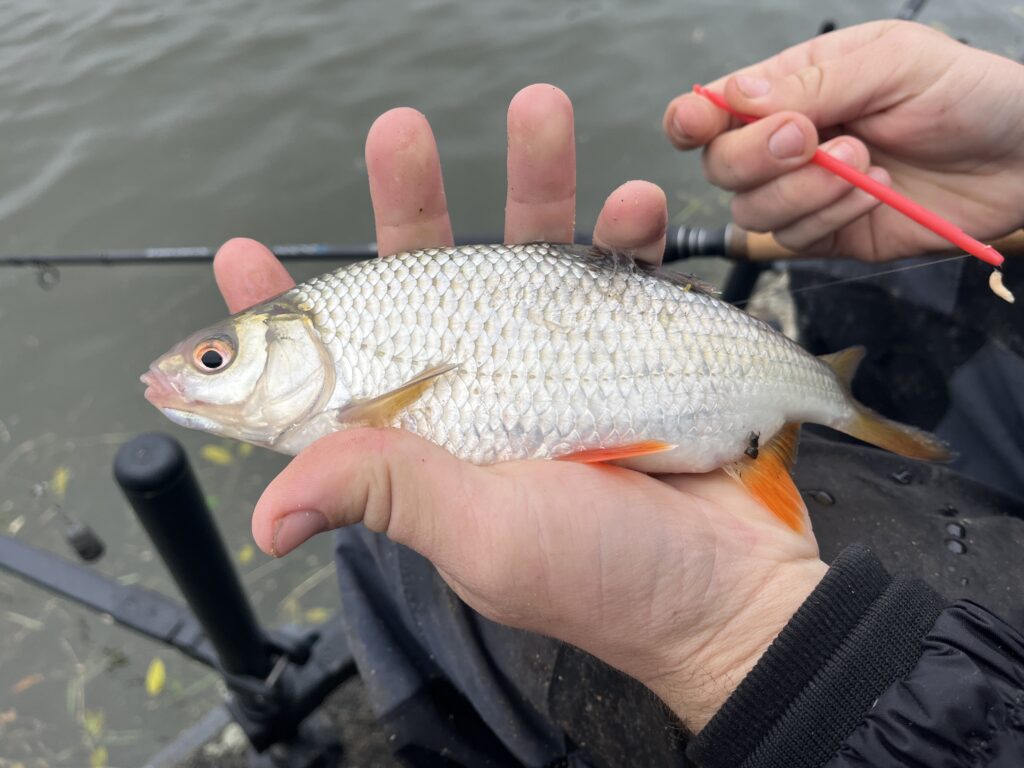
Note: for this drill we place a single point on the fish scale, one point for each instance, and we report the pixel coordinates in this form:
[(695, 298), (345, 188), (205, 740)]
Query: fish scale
[(560, 349)]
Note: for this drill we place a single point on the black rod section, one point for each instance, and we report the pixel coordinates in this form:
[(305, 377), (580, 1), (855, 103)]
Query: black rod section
[(682, 242), (155, 476), (910, 9)]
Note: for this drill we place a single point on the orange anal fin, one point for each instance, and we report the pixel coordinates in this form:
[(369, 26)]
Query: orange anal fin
[(616, 452), (767, 477)]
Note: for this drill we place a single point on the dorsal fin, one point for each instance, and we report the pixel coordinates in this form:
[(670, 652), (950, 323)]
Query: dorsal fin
[(845, 362), (615, 261)]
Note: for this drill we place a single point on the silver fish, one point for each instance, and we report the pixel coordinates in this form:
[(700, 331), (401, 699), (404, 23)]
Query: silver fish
[(536, 351)]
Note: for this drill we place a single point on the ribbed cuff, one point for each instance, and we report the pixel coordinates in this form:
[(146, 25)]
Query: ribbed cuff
[(857, 633)]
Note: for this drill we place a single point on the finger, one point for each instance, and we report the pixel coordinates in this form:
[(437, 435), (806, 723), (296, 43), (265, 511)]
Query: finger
[(793, 196), (691, 121), (815, 233), (247, 273), (406, 188), (390, 480), (834, 81), (755, 154), (541, 199), (634, 219)]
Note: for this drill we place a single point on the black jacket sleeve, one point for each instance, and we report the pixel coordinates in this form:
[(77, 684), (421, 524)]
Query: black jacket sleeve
[(872, 671)]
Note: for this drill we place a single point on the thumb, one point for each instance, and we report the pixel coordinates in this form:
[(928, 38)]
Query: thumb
[(388, 479), (839, 87)]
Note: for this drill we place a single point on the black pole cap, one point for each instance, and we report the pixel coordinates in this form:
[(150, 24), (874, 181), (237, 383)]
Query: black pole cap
[(149, 463)]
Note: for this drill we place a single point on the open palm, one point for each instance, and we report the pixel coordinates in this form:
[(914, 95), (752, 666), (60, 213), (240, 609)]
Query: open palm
[(656, 576)]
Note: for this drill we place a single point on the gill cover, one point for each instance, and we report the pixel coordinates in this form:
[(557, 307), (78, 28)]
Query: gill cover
[(298, 377)]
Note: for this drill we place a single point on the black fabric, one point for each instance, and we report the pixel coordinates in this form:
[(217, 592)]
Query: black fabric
[(851, 585), (437, 728), (961, 705), (883, 647), (960, 537), (611, 718), (857, 633)]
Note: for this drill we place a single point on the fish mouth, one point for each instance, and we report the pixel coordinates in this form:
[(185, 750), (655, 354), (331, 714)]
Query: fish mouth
[(160, 390), (191, 420)]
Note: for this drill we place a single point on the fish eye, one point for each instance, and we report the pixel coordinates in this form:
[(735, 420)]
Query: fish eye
[(213, 354)]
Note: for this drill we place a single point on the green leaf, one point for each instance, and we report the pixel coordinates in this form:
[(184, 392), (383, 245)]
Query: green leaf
[(317, 615), (156, 677), (94, 721), (216, 454)]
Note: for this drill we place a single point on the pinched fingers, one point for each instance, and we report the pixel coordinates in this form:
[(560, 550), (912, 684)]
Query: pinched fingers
[(816, 233), (757, 153), (691, 121), (799, 193)]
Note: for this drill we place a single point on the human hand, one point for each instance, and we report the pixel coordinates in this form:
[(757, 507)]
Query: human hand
[(679, 581), (936, 119)]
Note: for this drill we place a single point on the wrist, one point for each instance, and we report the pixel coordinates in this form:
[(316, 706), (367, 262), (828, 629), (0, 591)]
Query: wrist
[(707, 669)]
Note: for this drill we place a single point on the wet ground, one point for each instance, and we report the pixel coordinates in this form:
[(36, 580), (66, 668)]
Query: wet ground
[(127, 125)]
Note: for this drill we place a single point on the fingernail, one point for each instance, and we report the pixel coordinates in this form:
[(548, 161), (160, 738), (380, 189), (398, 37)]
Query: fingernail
[(678, 129), (753, 87), (787, 141), (296, 528), (842, 151)]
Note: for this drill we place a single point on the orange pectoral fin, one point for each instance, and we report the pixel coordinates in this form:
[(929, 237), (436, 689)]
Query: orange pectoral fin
[(616, 452), (768, 480)]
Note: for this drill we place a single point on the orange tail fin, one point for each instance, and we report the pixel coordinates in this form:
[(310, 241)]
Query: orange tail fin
[(874, 428)]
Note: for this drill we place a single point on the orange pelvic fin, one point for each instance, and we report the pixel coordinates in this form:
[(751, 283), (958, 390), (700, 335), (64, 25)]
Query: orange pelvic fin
[(616, 452), (767, 477)]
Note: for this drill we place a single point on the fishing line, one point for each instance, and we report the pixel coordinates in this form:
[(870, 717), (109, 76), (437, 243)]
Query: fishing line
[(859, 278)]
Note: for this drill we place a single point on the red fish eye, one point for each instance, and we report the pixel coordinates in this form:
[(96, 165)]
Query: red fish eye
[(211, 355)]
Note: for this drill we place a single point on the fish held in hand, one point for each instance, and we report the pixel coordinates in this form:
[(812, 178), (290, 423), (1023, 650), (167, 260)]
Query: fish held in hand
[(536, 351)]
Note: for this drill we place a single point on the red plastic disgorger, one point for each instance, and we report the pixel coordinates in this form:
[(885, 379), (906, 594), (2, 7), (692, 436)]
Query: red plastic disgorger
[(887, 195)]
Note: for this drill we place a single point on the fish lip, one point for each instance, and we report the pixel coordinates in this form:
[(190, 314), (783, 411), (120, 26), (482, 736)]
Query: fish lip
[(160, 390)]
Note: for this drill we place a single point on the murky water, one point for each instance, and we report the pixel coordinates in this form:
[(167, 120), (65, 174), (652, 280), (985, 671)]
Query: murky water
[(131, 124)]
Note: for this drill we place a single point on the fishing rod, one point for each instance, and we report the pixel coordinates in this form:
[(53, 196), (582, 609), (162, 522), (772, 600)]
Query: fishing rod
[(910, 9), (683, 242)]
